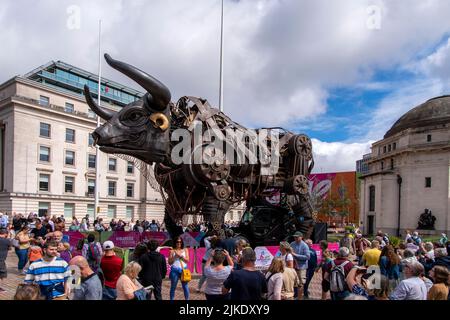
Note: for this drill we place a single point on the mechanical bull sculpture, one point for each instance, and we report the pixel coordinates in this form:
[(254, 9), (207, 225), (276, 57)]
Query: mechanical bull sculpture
[(194, 177)]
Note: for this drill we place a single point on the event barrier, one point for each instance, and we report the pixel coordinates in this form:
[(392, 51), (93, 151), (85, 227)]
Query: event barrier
[(126, 240)]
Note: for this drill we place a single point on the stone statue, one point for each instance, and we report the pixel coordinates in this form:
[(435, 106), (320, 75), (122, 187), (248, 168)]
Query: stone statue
[(426, 221)]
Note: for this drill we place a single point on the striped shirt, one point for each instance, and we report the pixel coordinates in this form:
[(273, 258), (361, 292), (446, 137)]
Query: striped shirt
[(49, 275)]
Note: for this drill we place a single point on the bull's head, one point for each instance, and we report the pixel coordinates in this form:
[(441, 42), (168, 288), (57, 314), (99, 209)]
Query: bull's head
[(141, 128)]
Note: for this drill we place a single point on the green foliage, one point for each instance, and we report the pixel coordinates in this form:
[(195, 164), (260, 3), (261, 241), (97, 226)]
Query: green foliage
[(395, 241)]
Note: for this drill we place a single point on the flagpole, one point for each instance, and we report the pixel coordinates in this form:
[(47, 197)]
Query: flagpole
[(97, 148), (221, 62)]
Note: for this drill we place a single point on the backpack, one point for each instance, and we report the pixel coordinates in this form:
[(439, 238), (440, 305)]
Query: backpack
[(337, 277), (92, 252)]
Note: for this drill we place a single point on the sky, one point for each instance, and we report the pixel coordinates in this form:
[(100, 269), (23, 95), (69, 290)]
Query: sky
[(341, 72)]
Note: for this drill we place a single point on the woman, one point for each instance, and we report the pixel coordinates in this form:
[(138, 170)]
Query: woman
[(285, 254), (24, 245), (75, 225), (274, 278), (389, 263), (178, 259), (361, 288), (439, 290), (127, 283), (216, 275), (83, 226), (240, 245), (327, 257)]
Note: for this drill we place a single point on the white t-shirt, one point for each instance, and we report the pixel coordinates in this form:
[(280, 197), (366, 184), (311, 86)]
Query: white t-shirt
[(285, 257)]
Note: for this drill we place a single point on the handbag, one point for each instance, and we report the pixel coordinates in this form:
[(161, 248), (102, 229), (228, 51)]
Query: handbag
[(185, 274)]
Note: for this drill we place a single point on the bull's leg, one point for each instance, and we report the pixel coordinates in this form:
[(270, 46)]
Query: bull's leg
[(171, 225), (214, 212), (303, 210)]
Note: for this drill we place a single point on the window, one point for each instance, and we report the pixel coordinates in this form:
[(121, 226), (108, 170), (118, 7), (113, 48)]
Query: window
[(70, 135), (389, 148), (394, 146), (91, 187), (69, 184), (112, 163), (90, 210), (44, 182), (111, 211), (382, 165), (70, 158), (44, 154), (44, 130), (111, 188), (392, 164), (429, 138), (91, 161), (428, 182), (90, 140), (130, 212), (372, 198), (69, 210), (130, 190), (91, 114), (130, 167), (44, 208), (69, 107), (44, 101), (384, 149)]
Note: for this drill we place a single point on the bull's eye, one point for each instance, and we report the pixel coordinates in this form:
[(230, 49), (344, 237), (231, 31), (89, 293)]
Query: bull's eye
[(133, 117)]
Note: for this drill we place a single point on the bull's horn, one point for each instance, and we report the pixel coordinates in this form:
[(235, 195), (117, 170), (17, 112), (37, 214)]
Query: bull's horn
[(160, 93), (101, 112)]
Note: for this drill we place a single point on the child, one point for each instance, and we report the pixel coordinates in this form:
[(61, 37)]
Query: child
[(64, 251), (35, 253)]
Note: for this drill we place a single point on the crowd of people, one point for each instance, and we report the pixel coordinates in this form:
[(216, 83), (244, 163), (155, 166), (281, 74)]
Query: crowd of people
[(361, 269)]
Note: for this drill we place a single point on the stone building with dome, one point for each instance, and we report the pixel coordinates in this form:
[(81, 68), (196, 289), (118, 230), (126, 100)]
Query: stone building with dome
[(408, 172)]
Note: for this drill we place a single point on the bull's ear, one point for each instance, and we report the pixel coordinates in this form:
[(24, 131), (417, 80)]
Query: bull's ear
[(160, 93)]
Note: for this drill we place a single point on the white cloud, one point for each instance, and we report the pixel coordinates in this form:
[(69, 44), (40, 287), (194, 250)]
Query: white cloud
[(337, 156)]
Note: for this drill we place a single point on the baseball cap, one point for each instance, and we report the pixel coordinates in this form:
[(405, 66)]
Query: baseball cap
[(108, 245), (298, 234)]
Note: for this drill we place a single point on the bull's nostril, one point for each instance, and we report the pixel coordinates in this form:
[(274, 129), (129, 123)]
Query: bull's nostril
[(95, 137)]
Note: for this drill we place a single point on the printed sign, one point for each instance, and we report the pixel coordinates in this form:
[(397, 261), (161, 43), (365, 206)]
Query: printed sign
[(263, 258)]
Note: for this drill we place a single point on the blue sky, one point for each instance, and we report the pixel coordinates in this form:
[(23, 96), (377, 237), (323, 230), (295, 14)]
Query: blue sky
[(341, 71)]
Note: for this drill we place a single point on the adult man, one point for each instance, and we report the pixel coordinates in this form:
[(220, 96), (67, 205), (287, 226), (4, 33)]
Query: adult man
[(300, 252), (4, 220), (154, 269), (50, 273), (371, 256), (90, 287), (312, 266), (153, 226), (5, 244), (336, 272), (361, 245), (111, 266), (413, 287), (247, 283), (39, 231)]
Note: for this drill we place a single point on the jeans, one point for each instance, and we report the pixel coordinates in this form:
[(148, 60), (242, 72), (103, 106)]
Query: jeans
[(174, 276), (309, 276), (22, 254), (109, 293), (157, 287), (203, 277)]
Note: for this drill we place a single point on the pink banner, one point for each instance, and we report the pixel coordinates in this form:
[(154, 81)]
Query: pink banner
[(125, 239), (199, 253), (161, 237)]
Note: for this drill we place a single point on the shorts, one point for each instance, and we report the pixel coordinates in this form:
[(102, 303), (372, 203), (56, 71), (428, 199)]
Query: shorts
[(301, 273), (325, 286), (3, 272)]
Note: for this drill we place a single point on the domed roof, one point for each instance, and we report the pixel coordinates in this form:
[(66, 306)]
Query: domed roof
[(433, 112)]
